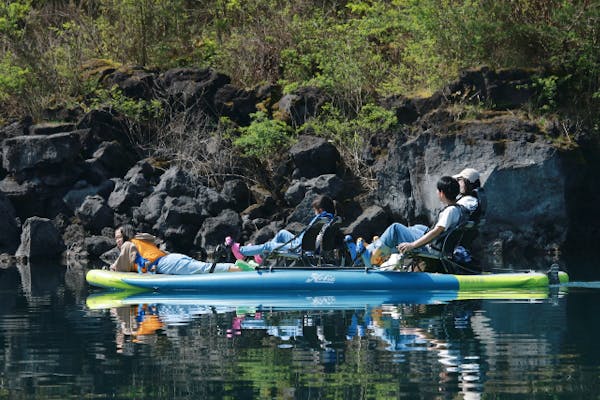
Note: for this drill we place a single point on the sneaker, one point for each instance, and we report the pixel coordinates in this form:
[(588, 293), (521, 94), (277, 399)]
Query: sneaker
[(235, 248), (244, 266), (258, 259), (379, 252)]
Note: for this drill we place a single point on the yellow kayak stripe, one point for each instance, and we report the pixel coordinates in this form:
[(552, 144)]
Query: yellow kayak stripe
[(499, 281), (111, 279)]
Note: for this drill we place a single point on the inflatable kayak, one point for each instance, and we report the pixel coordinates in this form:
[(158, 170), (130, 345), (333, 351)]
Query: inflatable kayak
[(308, 280)]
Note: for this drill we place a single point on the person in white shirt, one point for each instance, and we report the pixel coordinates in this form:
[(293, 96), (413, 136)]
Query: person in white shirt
[(398, 238), (470, 191)]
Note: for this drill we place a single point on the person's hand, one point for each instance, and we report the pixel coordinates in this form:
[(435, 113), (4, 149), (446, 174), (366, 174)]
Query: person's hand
[(404, 247)]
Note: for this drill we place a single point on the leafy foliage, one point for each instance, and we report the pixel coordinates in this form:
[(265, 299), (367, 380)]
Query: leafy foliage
[(356, 50), (264, 137), (12, 78), (351, 135), (138, 110)]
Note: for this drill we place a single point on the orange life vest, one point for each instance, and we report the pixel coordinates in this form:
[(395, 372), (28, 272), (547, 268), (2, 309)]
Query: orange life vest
[(148, 253)]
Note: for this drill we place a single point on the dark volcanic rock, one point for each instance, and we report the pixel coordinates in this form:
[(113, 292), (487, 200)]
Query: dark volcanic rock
[(215, 229), (40, 240), (50, 128), (236, 193), (176, 182), (313, 156), (301, 105), (27, 152), (115, 158), (75, 197), (95, 214), (193, 89), (98, 245), (235, 103), (125, 195)]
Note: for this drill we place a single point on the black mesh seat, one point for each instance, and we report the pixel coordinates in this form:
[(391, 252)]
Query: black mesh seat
[(321, 245)]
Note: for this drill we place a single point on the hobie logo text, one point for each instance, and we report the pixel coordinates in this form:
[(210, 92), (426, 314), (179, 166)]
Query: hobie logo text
[(320, 278)]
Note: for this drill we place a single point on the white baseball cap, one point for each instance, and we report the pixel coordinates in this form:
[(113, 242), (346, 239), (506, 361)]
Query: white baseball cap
[(470, 174)]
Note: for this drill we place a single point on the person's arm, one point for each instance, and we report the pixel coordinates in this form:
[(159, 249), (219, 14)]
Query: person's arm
[(126, 260), (445, 220), (422, 241)]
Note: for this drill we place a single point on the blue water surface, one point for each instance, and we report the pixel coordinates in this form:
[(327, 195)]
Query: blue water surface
[(63, 340)]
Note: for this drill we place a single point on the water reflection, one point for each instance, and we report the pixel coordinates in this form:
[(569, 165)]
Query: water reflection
[(442, 346), (60, 343)]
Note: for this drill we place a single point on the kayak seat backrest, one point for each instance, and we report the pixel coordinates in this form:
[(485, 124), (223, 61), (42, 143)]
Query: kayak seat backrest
[(320, 246), (309, 240), (477, 219), (440, 255), (448, 240), (332, 237)]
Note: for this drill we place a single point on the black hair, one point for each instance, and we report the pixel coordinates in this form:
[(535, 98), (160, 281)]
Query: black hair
[(325, 203), (449, 186), (127, 231)]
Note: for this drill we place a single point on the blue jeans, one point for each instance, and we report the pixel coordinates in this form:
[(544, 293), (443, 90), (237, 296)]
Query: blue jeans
[(280, 238), (180, 264), (398, 233)]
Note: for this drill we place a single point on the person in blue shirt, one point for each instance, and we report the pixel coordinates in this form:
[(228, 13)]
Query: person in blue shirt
[(323, 206)]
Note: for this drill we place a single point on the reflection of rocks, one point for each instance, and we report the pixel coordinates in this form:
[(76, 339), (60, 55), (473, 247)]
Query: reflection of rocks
[(74, 279), (7, 261), (41, 277), (10, 282), (9, 233)]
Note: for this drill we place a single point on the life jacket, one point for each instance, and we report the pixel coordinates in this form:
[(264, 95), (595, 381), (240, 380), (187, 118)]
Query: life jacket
[(147, 255)]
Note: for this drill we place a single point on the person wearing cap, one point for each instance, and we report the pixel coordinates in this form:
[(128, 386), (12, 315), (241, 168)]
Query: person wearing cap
[(468, 180)]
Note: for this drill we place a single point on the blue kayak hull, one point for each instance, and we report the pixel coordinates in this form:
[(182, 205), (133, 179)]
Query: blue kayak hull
[(308, 280)]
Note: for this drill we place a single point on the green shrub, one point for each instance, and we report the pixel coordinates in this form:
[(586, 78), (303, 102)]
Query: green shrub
[(137, 110), (12, 78), (264, 138)]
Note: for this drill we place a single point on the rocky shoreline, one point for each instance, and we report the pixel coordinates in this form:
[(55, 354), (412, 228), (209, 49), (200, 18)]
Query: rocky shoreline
[(66, 185)]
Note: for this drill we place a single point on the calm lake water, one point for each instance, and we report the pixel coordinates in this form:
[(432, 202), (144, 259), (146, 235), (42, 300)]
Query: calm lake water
[(61, 340)]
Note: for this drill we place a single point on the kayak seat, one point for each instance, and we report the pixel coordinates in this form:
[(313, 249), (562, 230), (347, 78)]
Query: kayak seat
[(439, 256), (321, 245)]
